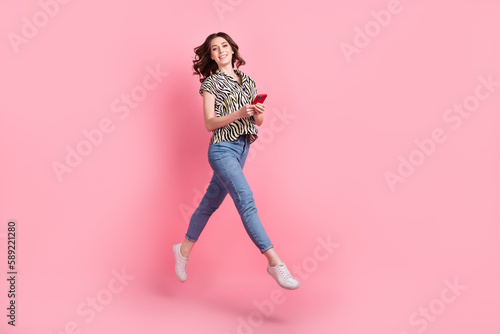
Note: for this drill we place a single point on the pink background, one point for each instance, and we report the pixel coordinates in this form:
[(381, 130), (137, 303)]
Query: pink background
[(320, 173)]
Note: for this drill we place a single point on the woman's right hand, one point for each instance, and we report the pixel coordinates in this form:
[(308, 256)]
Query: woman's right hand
[(246, 111)]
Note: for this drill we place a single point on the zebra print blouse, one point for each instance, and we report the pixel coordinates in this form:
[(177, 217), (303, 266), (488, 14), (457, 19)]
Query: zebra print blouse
[(229, 97)]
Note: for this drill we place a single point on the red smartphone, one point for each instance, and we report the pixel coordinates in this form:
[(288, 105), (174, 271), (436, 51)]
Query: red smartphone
[(260, 98)]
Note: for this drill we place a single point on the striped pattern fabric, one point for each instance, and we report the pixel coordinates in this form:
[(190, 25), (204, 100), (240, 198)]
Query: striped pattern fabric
[(229, 97)]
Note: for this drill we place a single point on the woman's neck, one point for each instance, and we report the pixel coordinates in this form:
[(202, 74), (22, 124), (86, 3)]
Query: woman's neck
[(228, 69)]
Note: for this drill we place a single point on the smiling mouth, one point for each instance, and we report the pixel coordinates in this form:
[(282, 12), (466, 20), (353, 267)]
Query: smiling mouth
[(222, 57)]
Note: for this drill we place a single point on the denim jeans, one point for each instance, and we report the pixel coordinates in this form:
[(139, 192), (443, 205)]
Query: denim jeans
[(227, 159)]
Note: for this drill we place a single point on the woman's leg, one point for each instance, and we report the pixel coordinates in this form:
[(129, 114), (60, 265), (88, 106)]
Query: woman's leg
[(270, 254), (186, 247), (227, 160), (213, 198), (272, 258), (276, 268)]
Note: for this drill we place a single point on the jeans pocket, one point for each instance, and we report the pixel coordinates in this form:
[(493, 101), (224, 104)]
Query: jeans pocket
[(215, 152)]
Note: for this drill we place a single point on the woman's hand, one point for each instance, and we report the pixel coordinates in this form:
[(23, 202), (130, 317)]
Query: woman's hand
[(258, 115), (259, 108), (246, 111)]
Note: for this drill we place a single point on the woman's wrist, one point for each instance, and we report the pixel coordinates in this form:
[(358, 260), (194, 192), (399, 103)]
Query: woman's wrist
[(258, 119)]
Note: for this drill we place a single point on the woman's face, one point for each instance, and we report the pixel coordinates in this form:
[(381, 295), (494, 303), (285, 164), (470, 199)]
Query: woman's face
[(221, 51)]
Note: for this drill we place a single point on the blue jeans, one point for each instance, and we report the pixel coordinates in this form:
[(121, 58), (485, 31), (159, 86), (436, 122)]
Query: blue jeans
[(227, 159)]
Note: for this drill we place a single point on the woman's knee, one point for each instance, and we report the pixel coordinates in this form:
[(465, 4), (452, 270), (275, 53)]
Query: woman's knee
[(247, 206)]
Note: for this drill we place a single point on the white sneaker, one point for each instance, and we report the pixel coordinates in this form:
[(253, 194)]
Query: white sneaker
[(180, 263), (281, 274)]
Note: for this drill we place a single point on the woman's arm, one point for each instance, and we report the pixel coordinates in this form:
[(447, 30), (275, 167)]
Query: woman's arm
[(212, 122)]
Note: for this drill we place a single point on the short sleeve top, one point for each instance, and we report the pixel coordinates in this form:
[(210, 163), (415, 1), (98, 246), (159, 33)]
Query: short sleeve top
[(229, 97)]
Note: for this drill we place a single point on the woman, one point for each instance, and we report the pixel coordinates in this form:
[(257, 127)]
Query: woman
[(228, 112)]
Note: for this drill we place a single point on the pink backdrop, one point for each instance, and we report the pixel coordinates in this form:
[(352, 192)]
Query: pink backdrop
[(376, 173)]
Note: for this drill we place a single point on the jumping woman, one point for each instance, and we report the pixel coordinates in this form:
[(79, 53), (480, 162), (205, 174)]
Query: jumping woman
[(228, 113)]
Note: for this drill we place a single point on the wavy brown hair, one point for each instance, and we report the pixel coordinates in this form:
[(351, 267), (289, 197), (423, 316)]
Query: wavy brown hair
[(204, 66)]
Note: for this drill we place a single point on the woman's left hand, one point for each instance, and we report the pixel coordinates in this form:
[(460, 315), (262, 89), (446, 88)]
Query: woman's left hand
[(259, 108)]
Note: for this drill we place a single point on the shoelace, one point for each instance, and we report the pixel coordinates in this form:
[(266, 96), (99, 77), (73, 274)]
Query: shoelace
[(184, 265), (283, 271), (183, 261)]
